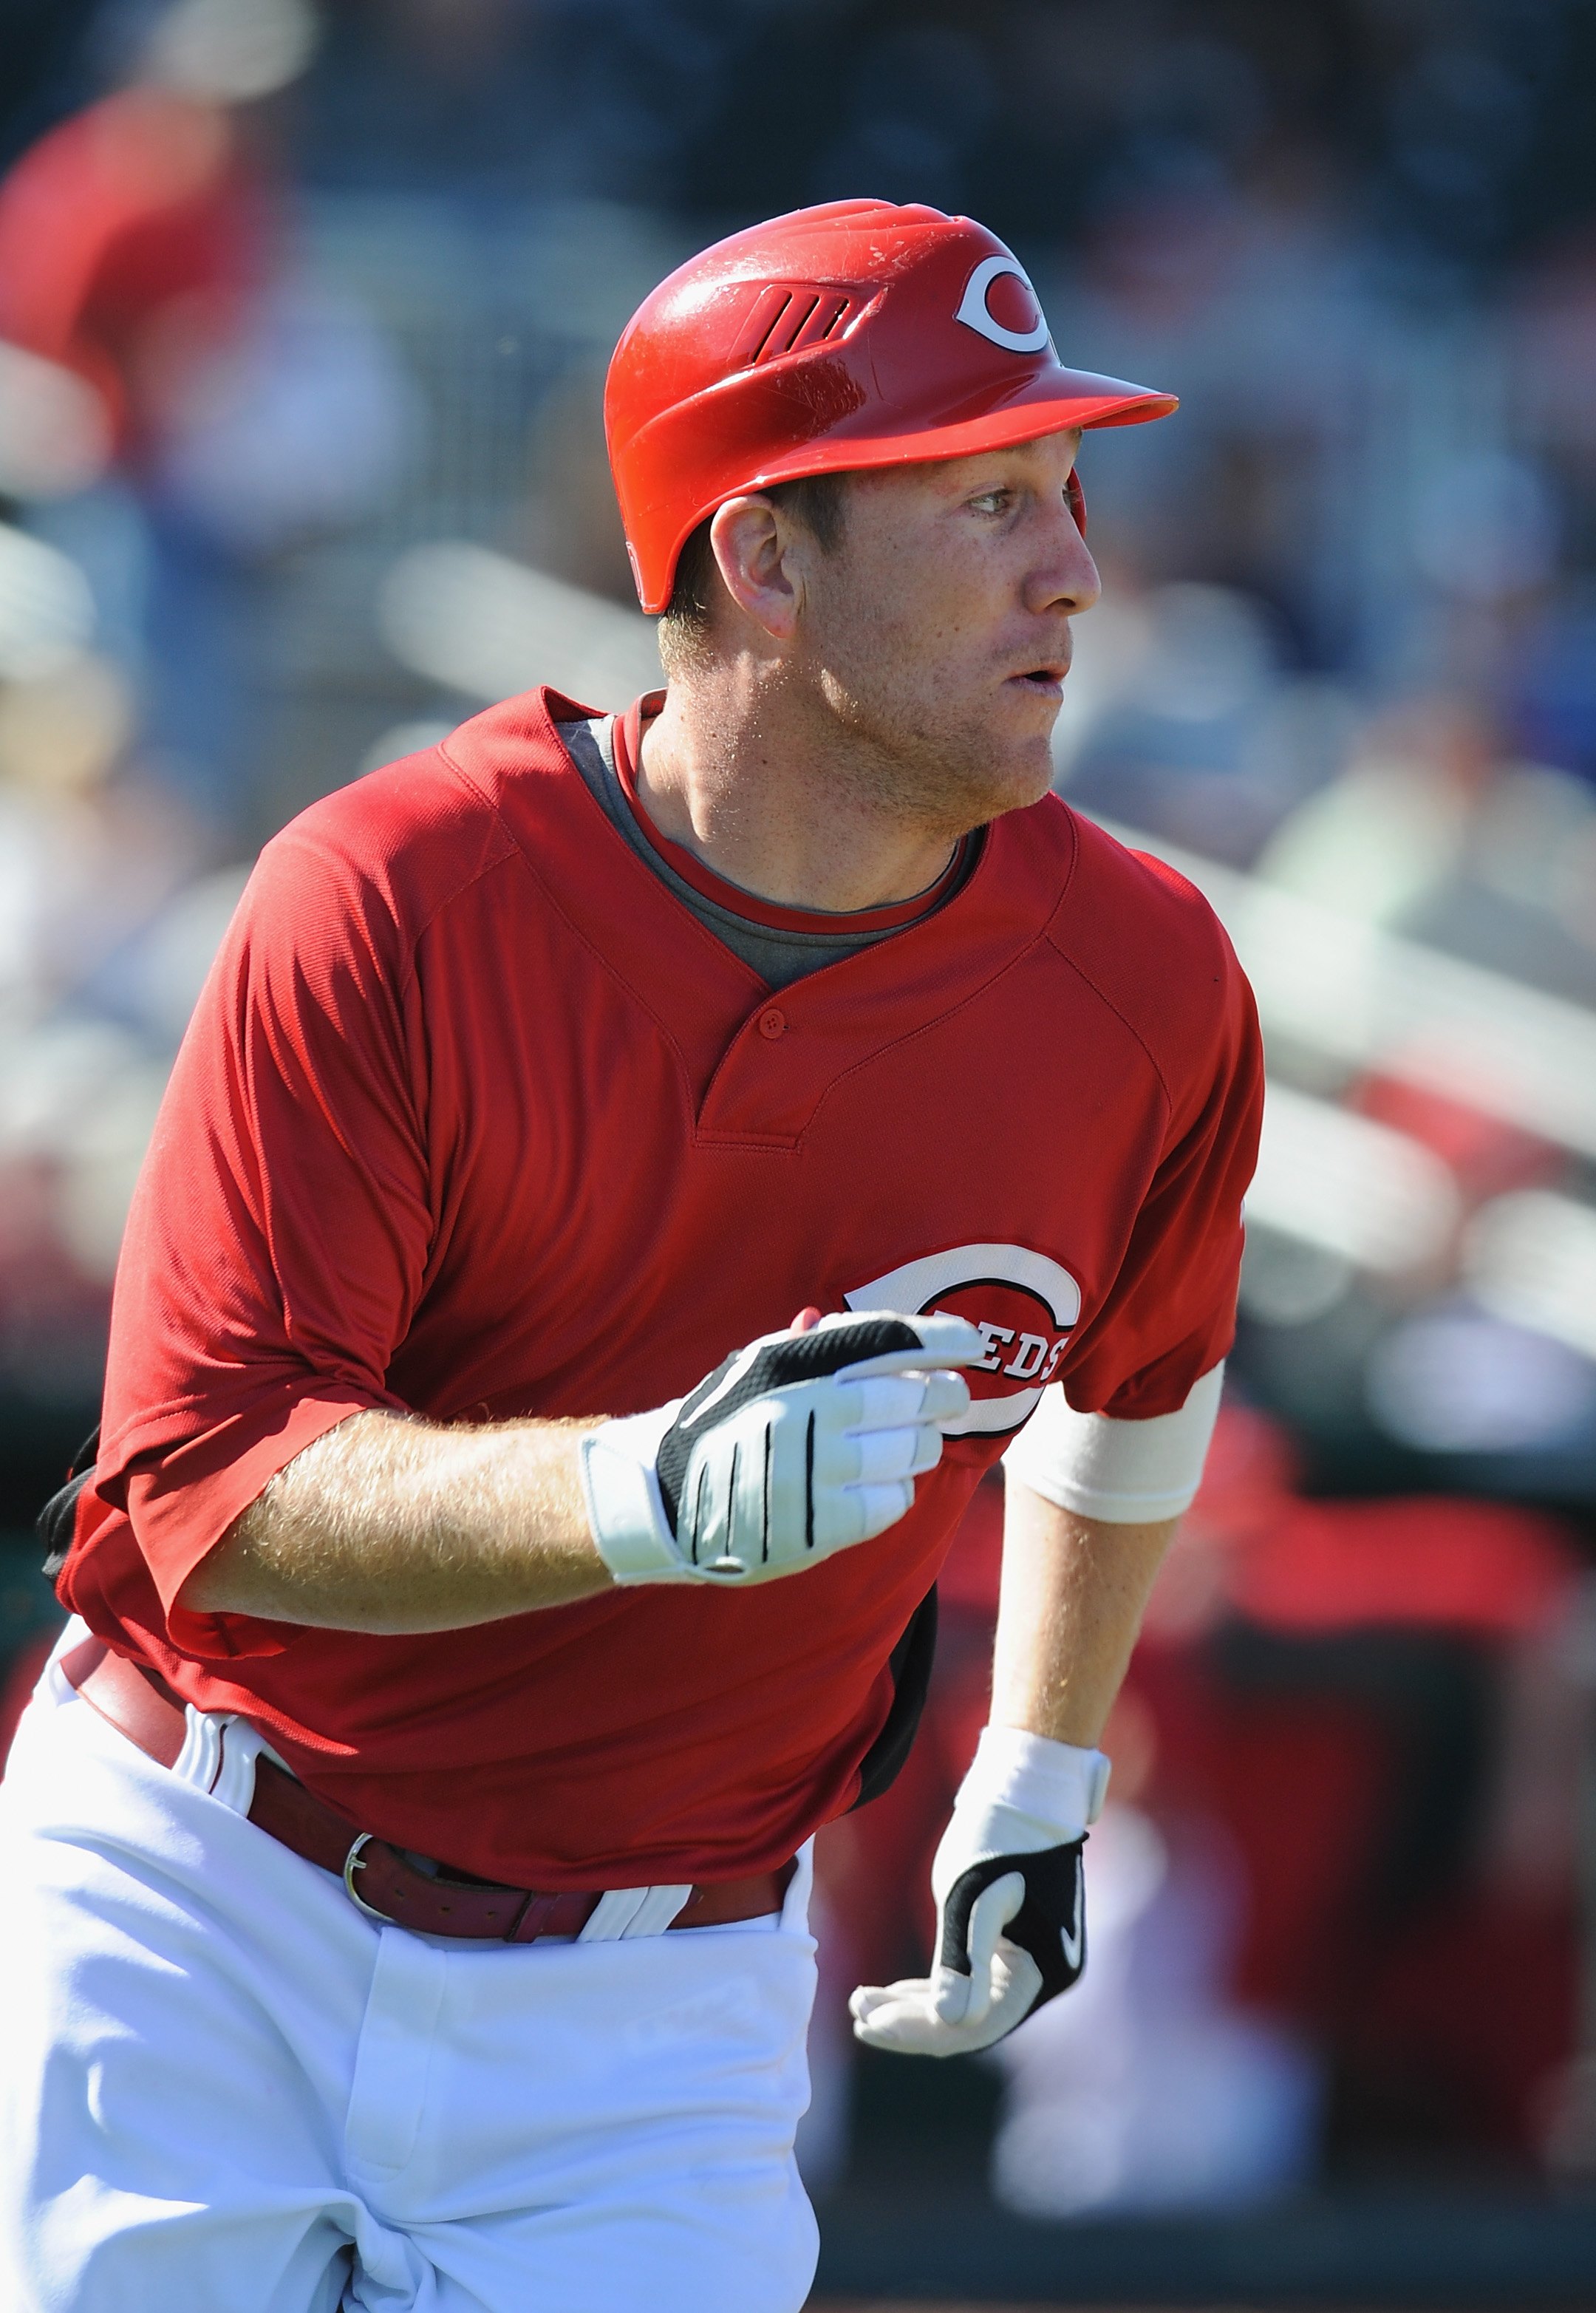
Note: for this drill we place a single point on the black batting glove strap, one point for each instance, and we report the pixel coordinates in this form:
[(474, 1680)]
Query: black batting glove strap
[(1050, 1923), (796, 1446), (755, 1372)]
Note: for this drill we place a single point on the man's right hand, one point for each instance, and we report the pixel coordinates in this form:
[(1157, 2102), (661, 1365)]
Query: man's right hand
[(803, 1444)]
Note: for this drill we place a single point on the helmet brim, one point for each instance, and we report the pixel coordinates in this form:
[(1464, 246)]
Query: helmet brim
[(1071, 401), (1057, 401)]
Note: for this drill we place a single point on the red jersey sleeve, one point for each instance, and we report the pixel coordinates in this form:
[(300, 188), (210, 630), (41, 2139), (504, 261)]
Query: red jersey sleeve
[(1169, 1314), (279, 1232)]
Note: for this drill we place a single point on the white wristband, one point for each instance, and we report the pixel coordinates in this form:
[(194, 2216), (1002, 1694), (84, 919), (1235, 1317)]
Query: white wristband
[(1057, 1783)]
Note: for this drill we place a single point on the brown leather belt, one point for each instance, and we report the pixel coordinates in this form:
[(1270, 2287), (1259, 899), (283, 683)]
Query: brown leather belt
[(139, 1705)]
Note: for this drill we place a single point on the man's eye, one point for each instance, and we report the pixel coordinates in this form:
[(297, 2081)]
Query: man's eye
[(991, 501)]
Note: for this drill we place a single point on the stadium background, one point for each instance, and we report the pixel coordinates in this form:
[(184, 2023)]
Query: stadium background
[(303, 315)]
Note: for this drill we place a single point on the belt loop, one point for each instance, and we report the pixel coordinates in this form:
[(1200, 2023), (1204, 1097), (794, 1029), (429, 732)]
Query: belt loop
[(530, 1920), (510, 1935)]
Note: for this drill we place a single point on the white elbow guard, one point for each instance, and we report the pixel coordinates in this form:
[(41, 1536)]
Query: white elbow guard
[(1125, 1473)]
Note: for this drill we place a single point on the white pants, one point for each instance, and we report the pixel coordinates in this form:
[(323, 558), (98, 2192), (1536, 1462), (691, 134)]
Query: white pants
[(223, 2090)]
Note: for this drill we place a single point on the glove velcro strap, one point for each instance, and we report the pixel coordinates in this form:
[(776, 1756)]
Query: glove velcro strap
[(624, 1507), (1060, 1783), (1050, 1923)]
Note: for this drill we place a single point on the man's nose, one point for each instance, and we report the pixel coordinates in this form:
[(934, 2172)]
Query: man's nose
[(1064, 575)]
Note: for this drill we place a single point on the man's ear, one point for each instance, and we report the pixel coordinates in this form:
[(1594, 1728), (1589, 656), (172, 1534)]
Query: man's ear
[(761, 555)]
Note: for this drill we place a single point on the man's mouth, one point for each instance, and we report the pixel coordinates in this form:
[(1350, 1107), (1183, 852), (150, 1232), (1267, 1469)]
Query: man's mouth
[(1046, 679)]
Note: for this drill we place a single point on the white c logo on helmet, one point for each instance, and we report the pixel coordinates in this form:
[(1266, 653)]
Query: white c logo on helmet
[(974, 313)]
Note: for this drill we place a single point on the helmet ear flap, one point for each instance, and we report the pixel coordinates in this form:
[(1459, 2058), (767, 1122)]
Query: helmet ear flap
[(1076, 499)]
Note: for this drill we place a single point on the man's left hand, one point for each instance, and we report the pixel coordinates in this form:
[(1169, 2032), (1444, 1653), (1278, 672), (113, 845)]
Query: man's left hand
[(1010, 1898)]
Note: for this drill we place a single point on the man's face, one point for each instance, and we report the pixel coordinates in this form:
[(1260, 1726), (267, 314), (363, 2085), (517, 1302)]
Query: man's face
[(938, 630)]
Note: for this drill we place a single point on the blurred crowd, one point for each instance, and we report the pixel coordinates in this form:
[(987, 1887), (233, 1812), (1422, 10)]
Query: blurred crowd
[(304, 314), (1335, 1898)]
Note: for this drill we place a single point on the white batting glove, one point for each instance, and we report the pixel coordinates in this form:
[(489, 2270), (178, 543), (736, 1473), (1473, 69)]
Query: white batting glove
[(1009, 1898), (798, 1445)]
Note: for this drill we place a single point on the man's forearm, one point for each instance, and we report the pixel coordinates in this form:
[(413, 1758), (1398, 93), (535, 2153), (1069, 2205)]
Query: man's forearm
[(389, 1525), (1074, 1592)]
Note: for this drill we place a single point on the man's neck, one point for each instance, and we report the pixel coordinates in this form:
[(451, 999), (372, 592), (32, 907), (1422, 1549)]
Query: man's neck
[(750, 786)]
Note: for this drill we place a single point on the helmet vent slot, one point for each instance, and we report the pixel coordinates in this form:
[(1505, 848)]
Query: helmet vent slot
[(789, 317)]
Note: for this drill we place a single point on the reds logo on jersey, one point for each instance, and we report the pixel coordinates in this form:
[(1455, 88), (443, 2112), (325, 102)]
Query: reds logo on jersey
[(1024, 1304)]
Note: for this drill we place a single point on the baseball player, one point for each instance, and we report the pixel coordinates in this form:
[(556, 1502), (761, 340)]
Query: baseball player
[(625, 1180)]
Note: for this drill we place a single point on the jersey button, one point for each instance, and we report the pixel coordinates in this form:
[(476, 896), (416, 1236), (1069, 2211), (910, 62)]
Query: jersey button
[(772, 1024)]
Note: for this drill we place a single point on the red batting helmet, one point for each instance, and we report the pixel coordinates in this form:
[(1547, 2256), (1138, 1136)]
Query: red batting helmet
[(856, 334)]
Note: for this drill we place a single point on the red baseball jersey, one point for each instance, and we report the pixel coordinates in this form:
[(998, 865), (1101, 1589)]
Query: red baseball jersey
[(476, 1120)]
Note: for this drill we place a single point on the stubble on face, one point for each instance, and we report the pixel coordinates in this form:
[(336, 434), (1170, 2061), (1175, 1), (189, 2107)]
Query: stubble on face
[(899, 651)]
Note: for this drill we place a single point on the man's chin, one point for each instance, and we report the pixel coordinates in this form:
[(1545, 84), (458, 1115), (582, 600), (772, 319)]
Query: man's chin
[(1021, 777), (1019, 795), (953, 777)]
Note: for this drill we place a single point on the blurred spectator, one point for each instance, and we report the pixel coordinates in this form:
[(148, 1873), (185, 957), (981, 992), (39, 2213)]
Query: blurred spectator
[(917, 100), (104, 937), (1551, 690), (1155, 2090), (1252, 293), (572, 524), (439, 92), (1431, 833), (518, 100), (146, 317), (1344, 1793), (92, 845), (1378, 1702), (1181, 719), (1384, 837), (1552, 350), (132, 236)]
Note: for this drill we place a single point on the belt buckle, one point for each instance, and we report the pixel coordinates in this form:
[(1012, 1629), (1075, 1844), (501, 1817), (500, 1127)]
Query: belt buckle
[(356, 1861)]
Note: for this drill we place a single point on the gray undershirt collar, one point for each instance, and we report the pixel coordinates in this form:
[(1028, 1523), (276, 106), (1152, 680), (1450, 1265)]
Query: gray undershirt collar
[(778, 956)]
